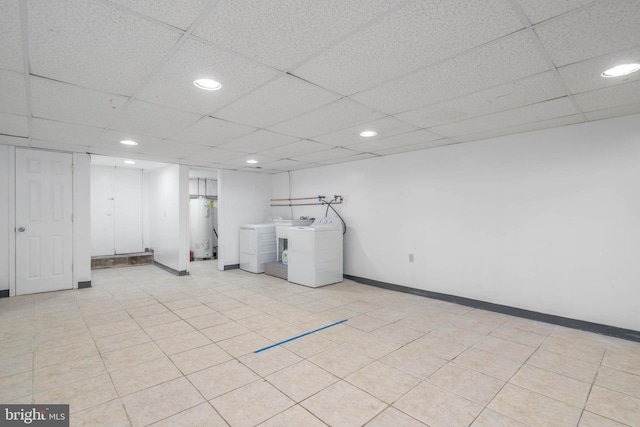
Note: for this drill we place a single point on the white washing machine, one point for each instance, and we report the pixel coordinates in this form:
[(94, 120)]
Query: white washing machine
[(257, 246), (315, 253)]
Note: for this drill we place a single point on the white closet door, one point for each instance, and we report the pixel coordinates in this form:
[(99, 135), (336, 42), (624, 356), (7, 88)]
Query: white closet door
[(44, 229), (127, 197), (102, 240)]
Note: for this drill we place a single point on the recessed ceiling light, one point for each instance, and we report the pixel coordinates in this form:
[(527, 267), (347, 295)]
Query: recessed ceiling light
[(621, 70), (130, 162), (368, 133), (207, 84), (252, 161), (128, 142)]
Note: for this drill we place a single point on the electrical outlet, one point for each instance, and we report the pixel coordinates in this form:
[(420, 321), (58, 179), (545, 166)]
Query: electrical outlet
[(410, 257)]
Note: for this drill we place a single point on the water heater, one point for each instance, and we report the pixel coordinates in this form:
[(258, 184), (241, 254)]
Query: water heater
[(203, 242)]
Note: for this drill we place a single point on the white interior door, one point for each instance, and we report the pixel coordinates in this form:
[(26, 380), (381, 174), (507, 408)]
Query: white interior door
[(127, 195), (102, 241), (43, 221)]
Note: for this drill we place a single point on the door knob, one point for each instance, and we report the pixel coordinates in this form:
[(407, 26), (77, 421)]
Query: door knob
[(21, 229)]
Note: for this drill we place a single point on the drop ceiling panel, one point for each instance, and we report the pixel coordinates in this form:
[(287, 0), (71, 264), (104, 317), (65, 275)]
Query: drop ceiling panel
[(410, 138), (289, 165), (361, 156), (528, 90), (263, 161), (607, 26), (276, 101), (414, 147), (614, 96), (508, 59), (608, 113), (427, 31), (541, 10), (14, 140), (332, 117), (14, 125), (153, 120), (180, 14), (211, 131), (11, 45), (173, 84), (95, 45), (299, 148), (385, 127), (67, 103), (58, 145), (259, 141), (518, 116), (219, 155), (282, 34), (527, 127), (323, 156), (111, 139), (177, 150), (14, 95), (585, 75), (62, 132)]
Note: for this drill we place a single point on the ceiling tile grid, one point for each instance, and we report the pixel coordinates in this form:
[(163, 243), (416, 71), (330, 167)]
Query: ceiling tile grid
[(11, 57), (518, 116), (90, 44), (422, 33), (14, 125), (542, 10), (414, 147), (527, 127), (604, 27), (585, 75), (212, 132), (153, 120), (68, 103), (528, 90), (609, 97), (258, 141), (323, 156), (507, 59), (278, 100), (281, 34), (335, 116), (179, 14), (173, 84), (384, 127), (411, 138), (304, 146), (301, 80), (62, 132), (14, 93)]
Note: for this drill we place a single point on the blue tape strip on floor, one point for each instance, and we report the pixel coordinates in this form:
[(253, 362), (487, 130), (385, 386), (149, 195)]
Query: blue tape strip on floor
[(299, 336)]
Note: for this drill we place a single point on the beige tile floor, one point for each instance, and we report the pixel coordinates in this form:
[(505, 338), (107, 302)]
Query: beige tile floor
[(144, 347)]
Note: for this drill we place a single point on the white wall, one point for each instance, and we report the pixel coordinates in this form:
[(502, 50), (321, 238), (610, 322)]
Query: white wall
[(243, 198), (168, 201), (81, 218), (6, 153), (547, 221)]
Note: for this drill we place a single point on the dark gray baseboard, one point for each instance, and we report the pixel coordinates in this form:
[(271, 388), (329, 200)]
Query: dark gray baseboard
[(626, 334), (84, 285), (231, 266), (4, 293), (170, 270)]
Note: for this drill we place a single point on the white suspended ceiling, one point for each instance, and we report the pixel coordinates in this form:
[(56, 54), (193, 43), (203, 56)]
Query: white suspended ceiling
[(301, 79)]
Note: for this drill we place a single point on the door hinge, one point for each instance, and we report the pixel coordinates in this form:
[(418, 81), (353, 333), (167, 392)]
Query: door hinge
[(71, 167), (71, 217), (72, 268)]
